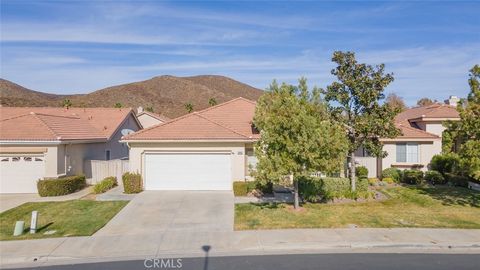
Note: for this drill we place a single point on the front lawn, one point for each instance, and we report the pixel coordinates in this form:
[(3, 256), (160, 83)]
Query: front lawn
[(67, 218), (438, 207)]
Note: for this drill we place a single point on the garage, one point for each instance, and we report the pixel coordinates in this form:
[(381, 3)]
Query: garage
[(188, 171), (19, 174)]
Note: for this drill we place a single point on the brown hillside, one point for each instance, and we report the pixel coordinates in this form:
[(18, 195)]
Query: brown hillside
[(166, 94)]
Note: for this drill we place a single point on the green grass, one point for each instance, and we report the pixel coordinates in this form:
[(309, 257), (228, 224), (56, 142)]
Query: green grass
[(67, 218), (439, 207)]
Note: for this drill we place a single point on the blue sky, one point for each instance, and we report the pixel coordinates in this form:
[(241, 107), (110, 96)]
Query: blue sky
[(80, 46)]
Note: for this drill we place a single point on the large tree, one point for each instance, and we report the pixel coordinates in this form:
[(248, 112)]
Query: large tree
[(297, 135), (425, 102), (396, 102), (465, 134), (355, 102)]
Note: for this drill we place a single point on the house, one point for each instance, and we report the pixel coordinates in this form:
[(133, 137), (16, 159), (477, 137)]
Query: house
[(421, 139), (38, 143), (205, 150), (148, 119)]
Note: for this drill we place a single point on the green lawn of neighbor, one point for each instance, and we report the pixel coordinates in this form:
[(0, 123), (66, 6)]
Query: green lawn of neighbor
[(67, 218), (429, 207)]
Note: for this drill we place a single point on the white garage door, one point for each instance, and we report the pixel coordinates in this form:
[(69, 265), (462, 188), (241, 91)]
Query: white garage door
[(188, 171), (20, 174)]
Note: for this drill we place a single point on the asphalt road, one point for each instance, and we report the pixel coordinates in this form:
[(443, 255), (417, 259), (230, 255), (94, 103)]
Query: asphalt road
[(300, 261)]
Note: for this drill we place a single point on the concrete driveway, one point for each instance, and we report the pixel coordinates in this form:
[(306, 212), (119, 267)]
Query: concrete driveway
[(160, 211)]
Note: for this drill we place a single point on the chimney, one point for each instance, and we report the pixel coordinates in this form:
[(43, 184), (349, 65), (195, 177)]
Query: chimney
[(139, 110), (452, 100)]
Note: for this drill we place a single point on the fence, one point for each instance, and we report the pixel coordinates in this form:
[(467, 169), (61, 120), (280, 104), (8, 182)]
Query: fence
[(104, 168)]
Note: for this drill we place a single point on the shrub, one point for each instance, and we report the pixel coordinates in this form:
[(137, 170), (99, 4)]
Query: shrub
[(435, 178), (393, 173), (240, 188), (373, 181), (265, 188), (388, 180), (60, 186), (361, 171), (412, 177), (105, 185), (445, 163), (457, 180), (132, 183), (313, 189)]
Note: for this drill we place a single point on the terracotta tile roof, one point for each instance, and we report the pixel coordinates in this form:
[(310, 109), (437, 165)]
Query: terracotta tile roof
[(23, 123), (405, 120), (231, 120)]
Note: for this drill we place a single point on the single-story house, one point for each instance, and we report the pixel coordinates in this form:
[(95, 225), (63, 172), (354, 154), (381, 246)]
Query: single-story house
[(204, 150), (148, 119), (37, 143), (421, 139)]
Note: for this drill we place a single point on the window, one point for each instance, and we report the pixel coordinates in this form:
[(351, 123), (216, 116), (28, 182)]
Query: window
[(27, 158), (407, 152), (5, 159), (107, 154), (15, 159)]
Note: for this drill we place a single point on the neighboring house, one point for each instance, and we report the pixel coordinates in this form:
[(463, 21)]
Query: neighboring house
[(421, 139), (148, 119), (38, 143), (205, 150)]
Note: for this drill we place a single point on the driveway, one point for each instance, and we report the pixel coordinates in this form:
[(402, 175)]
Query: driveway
[(9, 201), (160, 211)]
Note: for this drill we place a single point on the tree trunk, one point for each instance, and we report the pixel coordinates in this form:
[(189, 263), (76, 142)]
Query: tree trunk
[(353, 180), (296, 203)]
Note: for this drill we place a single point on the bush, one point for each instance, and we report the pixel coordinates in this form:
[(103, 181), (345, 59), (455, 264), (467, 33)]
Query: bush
[(60, 186), (412, 177), (393, 173), (361, 171), (388, 180), (457, 180), (445, 163), (373, 181), (313, 189), (265, 188), (132, 183), (105, 185), (435, 178), (240, 188)]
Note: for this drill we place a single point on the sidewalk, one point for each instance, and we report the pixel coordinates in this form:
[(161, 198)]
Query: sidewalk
[(189, 244)]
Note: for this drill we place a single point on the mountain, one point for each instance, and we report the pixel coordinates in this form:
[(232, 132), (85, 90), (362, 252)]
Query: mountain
[(166, 94)]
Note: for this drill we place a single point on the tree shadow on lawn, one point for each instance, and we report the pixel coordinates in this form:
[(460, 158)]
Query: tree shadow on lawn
[(270, 205), (452, 195)]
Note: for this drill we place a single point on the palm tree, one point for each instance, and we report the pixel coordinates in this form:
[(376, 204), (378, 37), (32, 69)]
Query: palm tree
[(118, 105), (212, 102), (189, 107), (149, 109), (67, 103)]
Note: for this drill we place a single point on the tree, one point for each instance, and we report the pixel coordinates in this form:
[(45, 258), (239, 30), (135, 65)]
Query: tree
[(424, 102), (212, 102), (396, 102), (118, 105), (466, 132), (189, 107), (149, 109), (354, 102), (297, 136), (67, 103)]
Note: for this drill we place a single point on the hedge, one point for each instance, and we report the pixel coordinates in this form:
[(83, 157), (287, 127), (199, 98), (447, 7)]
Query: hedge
[(412, 177), (313, 189), (60, 186), (132, 183), (435, 178), (457, 180), (361, 171), (105, 185), (393, 173), (242, 188), (445, 163)]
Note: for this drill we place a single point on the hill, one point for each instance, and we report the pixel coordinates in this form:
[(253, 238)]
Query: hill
[(166, 94)]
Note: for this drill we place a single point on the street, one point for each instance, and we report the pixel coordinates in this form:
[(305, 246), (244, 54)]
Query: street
[(299, 261)]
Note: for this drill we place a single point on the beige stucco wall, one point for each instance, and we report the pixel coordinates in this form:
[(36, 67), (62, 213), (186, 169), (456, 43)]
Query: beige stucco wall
[(148, 121), (426, 151), (434, 127), (138, 150)]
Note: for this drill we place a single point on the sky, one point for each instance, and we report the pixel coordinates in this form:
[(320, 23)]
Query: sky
[(66, 47)]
